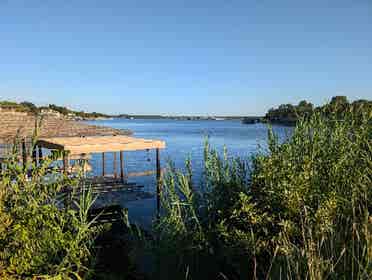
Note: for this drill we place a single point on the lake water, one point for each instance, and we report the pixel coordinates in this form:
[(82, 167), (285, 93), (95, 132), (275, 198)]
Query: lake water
[(184, 139)]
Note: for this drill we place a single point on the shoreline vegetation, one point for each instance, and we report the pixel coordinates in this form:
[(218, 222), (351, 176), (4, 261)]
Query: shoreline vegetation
[(301, 209), (28, 107), (285, 114)]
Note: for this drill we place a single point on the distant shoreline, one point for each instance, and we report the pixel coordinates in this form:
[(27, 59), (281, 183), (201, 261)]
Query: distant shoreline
[(215, 118)]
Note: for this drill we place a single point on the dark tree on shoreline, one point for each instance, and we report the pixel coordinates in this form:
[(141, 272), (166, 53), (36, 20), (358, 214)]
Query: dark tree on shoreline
[(289, 114)]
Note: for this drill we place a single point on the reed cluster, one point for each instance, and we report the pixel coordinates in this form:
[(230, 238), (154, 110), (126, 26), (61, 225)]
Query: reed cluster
[(300, 210)]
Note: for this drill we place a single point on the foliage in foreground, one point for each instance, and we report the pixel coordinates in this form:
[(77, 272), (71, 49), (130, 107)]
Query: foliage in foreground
[(39, 239), (304, 214)]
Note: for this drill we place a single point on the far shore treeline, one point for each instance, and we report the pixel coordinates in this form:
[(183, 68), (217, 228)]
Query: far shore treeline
[(285, 114), (289, 114)]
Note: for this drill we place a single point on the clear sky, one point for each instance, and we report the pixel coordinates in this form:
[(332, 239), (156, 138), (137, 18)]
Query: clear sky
[(184, 57)]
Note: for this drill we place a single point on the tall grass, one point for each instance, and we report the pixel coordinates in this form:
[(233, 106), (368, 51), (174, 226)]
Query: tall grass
[(39, 238), (300, 211)]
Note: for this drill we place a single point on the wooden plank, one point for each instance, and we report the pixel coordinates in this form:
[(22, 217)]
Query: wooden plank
[(122, 165), (103, 165), (88, 149), (34, 155), (144, 173), (49, 145), (158, 182), (40, 155), (24, 153), (66, 162), (107, 179), (115, 173), (80, 145)]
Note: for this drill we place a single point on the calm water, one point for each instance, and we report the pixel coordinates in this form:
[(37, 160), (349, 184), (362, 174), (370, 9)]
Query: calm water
[(183, 139)]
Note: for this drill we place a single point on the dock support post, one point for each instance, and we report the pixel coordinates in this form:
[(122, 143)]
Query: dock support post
[(103, 165), (66, 162), (24, 154), (158, 182), (122, 166), (40, 155), (115, 173), (34, 155)]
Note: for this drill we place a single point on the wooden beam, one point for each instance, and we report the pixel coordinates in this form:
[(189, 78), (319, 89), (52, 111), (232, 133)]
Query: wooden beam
[(88, 145), (40, 155), (49, 145), (66, 162), (34, 155), (24, 154), (158, 182), (115, 173), (143, 173), (103, 165), (121, 165), (92, 148)]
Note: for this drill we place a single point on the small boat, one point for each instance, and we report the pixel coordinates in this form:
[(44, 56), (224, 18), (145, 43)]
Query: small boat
[(249, 120)]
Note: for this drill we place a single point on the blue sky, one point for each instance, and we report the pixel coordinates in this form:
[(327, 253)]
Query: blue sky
[(184, 57)]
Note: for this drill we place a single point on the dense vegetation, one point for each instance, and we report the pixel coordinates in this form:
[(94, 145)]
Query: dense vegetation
[(31, 108), (298, 210), (38, 238), (302, 210), (290, 114)]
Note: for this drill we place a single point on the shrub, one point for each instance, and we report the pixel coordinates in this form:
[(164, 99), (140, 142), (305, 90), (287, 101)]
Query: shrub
[(39, 238)]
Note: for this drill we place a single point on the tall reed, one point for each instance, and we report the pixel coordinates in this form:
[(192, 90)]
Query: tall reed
[(301, 210)]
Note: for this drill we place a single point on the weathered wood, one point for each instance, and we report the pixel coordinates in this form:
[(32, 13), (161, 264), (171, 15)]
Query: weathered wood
[(103, 165), (66, 162), (144, 173), (101, 144), (109, 214), (110, 188), (40, 155), (24, 153), (122, 165), (158, 182), (34, 155), (115, 173), (104, 180)]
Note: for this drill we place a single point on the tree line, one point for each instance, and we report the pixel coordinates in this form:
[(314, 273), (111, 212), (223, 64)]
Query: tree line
[(32, 108), (289, 114)]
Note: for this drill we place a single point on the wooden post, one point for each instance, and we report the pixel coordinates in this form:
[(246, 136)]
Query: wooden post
[(66, 162), (115, 173), (103, 165), (34, 155), (40, 155), (122, 166), (158, 182), (24, 154)]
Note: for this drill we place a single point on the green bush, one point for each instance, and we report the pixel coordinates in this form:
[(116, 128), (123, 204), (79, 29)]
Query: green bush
[(301, 211), (39, 238)]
